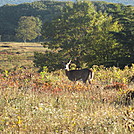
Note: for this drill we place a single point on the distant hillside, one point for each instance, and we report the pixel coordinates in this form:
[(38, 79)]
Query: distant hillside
[(10, 14), (3, 2), (45, 10)]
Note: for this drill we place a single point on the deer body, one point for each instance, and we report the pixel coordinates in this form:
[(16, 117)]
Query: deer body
[(82, 74)]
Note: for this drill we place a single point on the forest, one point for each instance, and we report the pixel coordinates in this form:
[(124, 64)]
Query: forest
[(100, 31), (45, 10), (89, 33)]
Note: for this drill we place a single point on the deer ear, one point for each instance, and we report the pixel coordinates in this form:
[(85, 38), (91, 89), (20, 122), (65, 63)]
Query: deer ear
[(69, 61)]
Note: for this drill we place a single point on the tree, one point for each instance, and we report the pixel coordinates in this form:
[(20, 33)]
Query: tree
[(127, 36), (29, 28), (82, 32), (125, 16)]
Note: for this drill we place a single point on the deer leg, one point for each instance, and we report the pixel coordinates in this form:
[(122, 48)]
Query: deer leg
[(89, 82), (84, 81)]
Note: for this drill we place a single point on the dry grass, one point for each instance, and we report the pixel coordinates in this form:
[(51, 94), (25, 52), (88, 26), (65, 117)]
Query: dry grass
[(73, 112), (18, 54), (21, 47), (48, 103), (33, 103)]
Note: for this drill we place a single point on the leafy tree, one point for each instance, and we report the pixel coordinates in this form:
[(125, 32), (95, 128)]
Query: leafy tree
[(125, 16), (10, 15), (51, 60), (29, 28), (82, 32), (127, 36), (103, 47)]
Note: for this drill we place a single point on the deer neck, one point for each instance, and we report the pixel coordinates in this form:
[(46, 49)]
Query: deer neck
[(67, 68)]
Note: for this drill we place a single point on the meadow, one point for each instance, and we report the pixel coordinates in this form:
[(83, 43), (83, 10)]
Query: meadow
[(48, 103)]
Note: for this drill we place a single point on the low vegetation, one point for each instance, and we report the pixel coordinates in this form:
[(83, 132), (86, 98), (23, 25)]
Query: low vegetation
[(18, 54), (33, 102)]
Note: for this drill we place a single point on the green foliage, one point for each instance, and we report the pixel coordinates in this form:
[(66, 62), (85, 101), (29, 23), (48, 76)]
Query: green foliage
[(82, 32), (125, 17), (115, 74), (10, 15), (51, 60), (126, 36), (28, 28), (95, 32)]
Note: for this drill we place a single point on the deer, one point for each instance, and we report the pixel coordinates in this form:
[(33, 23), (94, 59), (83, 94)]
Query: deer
[(81, 74)]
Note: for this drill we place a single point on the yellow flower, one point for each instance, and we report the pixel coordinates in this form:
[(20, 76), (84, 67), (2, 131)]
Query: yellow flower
[(19, 120), (40, 108)]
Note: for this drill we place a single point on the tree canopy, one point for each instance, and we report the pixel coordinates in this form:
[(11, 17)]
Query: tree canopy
[(10, 15), (83, 32), (88, 32), (29, 28)]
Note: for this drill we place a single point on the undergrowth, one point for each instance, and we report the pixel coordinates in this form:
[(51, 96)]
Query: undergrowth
[(39, 103)]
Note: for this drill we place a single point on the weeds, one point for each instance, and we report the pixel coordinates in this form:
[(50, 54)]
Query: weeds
[(46, 102), (39, 103)]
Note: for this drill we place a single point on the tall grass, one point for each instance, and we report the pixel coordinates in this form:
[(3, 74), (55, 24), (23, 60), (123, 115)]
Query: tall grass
[(49, 103)]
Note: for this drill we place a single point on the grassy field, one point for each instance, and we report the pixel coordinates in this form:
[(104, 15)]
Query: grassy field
[(48, 103), (18, 54)]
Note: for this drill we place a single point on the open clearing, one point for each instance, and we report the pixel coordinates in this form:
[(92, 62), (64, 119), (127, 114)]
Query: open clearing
[(18, 54), (21, 47)]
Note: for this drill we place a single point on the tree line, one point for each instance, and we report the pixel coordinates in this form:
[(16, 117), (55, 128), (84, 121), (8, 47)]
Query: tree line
[(86, 32), (89, 35), (11, 14), (44, 10)]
